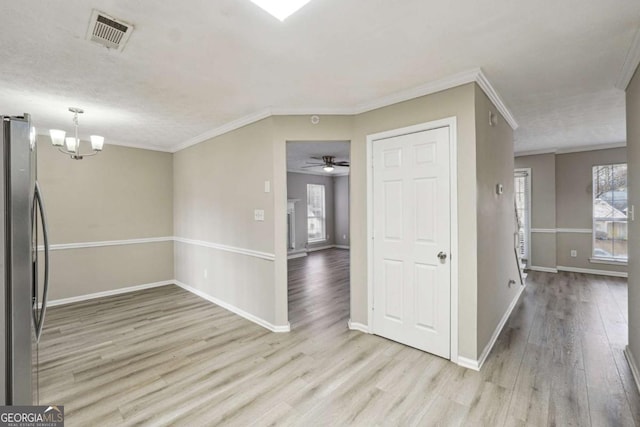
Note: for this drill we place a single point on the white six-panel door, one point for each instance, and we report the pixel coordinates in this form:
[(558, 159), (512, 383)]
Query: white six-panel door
[(412, 240)]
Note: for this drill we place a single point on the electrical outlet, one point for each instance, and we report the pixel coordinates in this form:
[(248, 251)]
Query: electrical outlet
[(267, 186), (574, 253), (205, 273)]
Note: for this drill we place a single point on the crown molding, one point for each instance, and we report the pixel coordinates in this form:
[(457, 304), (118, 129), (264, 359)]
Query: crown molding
[(141, 146), (435, 86), (591, 148), (630, 63), (470, 76), (309, 111), (493, 95), (225, 128), (535, 152), (126, 144), (570, 150)]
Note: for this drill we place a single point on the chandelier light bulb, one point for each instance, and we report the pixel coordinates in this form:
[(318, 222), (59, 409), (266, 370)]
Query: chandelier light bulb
[(71, 144)]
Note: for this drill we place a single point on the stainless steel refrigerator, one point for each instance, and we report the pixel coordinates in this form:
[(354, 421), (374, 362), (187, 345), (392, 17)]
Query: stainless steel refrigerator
[(22, 228)]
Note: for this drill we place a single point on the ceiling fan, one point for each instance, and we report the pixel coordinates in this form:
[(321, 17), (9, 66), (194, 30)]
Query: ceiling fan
[(328, 163)]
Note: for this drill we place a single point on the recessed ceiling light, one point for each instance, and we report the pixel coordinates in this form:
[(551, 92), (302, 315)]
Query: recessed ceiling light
[(281, 9)]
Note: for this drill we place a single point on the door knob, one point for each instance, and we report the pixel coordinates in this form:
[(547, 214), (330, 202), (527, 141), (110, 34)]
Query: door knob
[(442, 256)]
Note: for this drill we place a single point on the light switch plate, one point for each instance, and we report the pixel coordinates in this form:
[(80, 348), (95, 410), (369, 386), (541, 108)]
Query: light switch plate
[(267, 186), (258, 215)]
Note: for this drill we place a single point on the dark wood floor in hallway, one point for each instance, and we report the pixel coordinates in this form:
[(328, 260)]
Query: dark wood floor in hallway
[(166, 357)]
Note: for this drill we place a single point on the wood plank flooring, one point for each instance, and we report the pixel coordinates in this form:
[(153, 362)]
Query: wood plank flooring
[(166, 357)]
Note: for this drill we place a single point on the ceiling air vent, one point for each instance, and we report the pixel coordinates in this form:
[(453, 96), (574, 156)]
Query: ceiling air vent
[(108, 31)]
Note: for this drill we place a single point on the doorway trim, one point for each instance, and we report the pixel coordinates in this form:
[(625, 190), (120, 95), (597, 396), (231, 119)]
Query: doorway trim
[(287, 258), (451, 123)]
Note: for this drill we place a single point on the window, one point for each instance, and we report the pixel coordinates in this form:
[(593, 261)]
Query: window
[(610, 231), (315, 213), (522, 186)]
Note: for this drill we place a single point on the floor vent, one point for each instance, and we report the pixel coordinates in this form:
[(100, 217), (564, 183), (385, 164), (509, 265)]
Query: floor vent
[(108, 31)]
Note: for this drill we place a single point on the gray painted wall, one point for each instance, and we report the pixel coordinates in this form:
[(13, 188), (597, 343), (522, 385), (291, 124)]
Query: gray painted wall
[(543, 207), (496, 219), (297, 189), (341, 210), (561, 198), (633, 153), (574, 176)]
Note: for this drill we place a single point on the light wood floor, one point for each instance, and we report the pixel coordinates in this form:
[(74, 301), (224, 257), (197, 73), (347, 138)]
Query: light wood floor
[(166, 357)]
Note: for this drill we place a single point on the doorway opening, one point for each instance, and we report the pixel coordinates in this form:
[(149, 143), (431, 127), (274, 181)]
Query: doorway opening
[(318, 233)]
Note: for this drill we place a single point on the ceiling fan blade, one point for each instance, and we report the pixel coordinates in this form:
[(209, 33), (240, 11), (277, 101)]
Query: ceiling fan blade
[(342, 164), (316, 158), (312, 166)]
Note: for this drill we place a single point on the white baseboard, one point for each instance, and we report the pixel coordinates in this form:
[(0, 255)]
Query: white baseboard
[(320, 248), (232, 308), (633, 366), (591, 271), (341, 247), (355, 326), (103, 294), (476, 365), (543, 269), (468, 363), (294, 255)]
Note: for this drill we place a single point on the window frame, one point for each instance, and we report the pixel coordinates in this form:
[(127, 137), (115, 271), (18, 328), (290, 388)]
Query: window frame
[(527, 173), (323, 238), (598, 259)]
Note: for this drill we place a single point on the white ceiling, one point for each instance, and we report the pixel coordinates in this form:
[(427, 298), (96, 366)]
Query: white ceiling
[(196, 65), (299, 155)]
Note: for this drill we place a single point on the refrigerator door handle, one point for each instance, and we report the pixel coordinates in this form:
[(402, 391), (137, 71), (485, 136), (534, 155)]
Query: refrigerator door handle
[(45, 238)]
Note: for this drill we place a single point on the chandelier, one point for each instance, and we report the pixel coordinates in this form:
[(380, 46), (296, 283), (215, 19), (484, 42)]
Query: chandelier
[(71, 144)]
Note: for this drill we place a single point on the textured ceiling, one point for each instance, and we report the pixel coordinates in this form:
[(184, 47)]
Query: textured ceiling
[(299, 154), (196, 65)]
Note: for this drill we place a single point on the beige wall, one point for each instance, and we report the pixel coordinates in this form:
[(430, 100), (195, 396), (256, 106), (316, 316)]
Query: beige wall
[(77, 272), (217, 186), (219, 183), (495, 218), (561, 187), (122, 193), (633, 153)]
